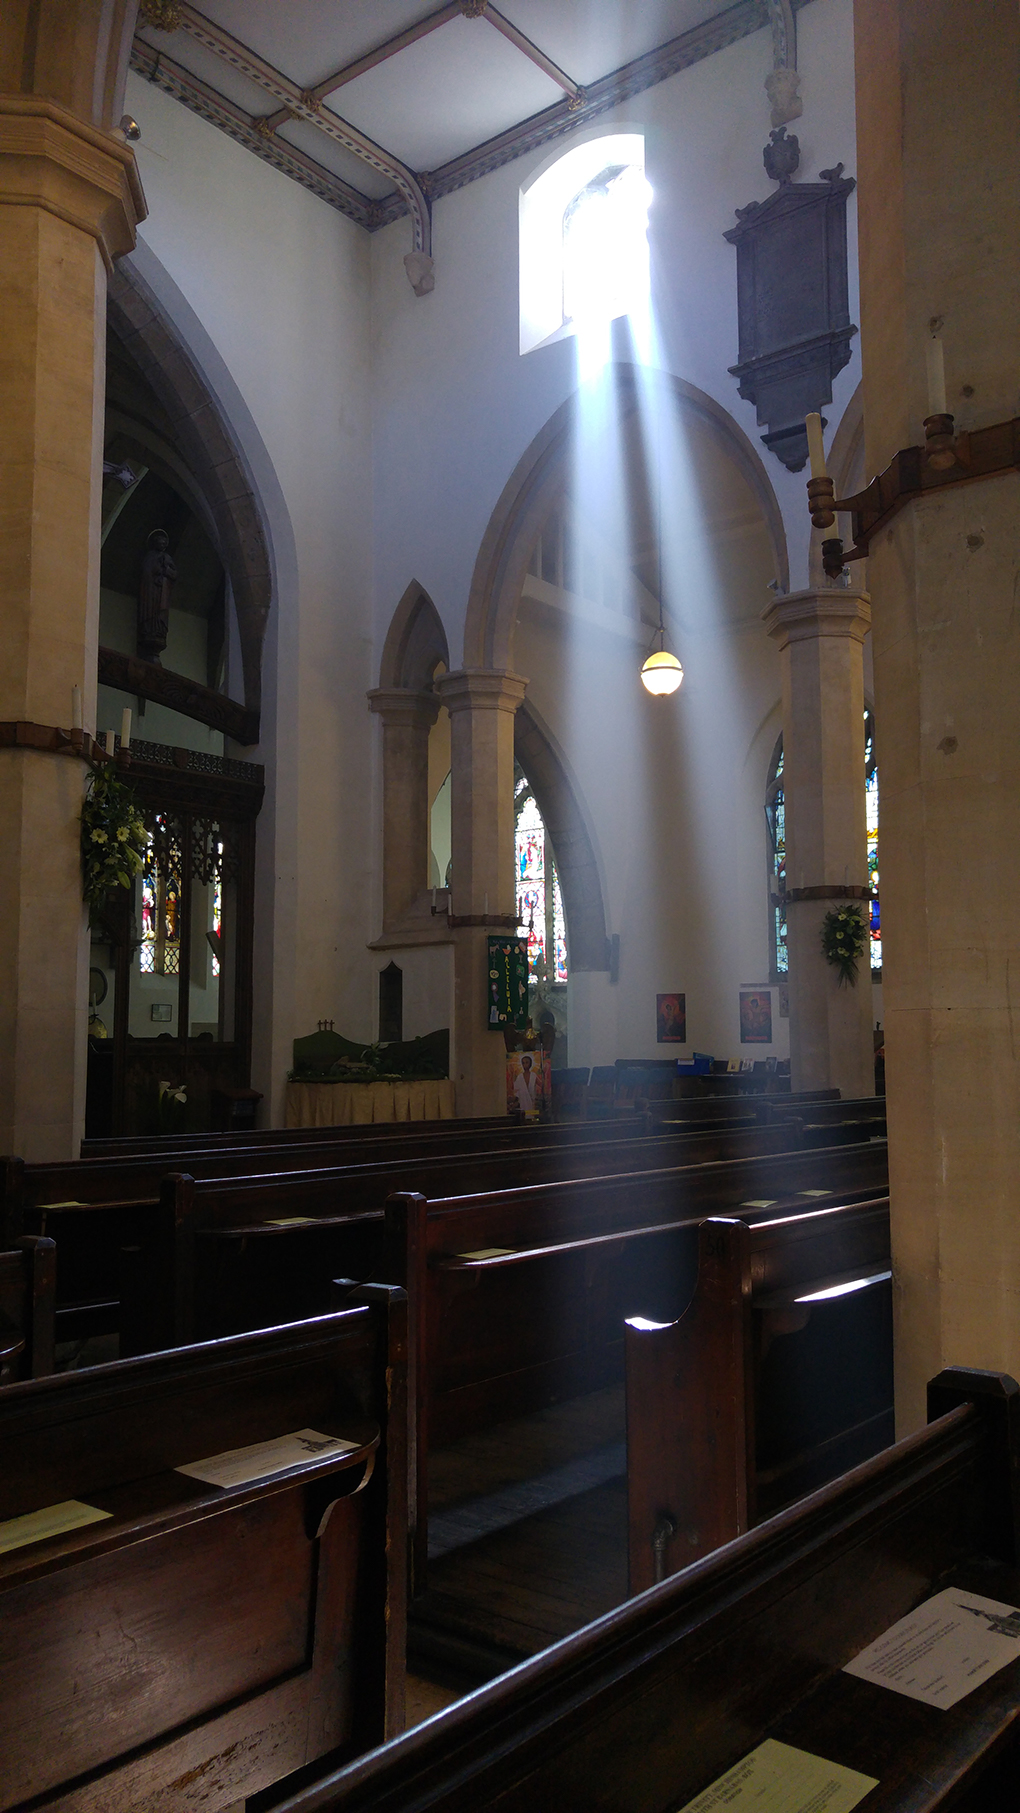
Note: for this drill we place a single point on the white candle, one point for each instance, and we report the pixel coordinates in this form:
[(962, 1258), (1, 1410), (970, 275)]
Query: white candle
[(935, 361), (816, 447), (125, 728), (76, 708)]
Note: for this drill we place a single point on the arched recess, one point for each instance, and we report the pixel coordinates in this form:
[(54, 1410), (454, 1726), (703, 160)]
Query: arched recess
[(540, 476), (210, 450), (415, 643), (572, 840)]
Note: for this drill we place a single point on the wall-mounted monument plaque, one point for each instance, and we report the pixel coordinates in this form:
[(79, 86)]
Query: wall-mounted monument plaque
[(792, 301)]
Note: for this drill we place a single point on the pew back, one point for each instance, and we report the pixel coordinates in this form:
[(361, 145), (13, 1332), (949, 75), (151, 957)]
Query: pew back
[(199, 1641), (645, 1708), (27, 1303)]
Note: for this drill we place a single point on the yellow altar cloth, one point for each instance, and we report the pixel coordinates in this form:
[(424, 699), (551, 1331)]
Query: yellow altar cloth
[(361, 1104)]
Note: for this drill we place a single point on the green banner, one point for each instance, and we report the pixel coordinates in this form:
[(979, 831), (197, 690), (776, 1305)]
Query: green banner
[(508, 983)]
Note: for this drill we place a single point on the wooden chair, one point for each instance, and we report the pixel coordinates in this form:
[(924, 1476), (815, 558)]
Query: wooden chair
[(645, 1708), (198, 1642)]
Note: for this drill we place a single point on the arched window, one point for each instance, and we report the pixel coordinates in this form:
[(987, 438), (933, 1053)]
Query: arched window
[(539, 902), (775, 817), (584, 238)]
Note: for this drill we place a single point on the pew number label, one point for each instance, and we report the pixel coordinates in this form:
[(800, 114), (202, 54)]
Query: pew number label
[(776, 1778), (239, 1466), (945, 1649)]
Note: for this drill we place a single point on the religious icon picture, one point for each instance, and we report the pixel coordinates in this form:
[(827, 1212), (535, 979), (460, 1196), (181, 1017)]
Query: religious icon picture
[(756, 1016), (671, 1019), (528, 1082)]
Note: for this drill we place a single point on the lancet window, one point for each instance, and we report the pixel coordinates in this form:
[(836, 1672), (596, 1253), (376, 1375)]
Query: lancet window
[(539, 901)]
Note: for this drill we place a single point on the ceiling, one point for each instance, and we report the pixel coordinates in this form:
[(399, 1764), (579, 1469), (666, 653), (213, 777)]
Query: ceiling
[(437, 95)]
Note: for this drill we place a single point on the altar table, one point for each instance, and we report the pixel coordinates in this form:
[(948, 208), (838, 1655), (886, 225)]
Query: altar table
[(350, 1104)]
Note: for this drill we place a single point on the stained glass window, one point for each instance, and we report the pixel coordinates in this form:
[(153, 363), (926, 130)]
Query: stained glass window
[(539, 902), (775, 816), (871, 796), (159, 950)]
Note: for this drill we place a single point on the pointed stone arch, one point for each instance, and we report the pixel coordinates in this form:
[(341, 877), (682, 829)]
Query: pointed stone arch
[(415, 643), (540, 476)]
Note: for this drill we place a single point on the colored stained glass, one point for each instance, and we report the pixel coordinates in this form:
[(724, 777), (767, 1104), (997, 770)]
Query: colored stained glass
[(539, 903), (871, 799)]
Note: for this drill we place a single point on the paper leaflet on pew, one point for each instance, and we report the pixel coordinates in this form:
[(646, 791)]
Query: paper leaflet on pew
[(943, 1650), (261, 1460), (777, 1778), (52, 1520)]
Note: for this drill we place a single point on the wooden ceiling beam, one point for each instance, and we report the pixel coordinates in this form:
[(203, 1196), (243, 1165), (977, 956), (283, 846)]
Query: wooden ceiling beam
[(534, 55)]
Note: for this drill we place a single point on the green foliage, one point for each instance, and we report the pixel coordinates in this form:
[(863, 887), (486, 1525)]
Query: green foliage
[(844, 941), (113, 837)]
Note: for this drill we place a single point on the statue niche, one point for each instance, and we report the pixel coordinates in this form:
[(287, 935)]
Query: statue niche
[(159, 572)]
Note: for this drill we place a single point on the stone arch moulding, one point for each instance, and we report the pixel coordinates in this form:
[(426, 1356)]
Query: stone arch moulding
[(573, 841), (211, 450), (415, 643), (540, 474)]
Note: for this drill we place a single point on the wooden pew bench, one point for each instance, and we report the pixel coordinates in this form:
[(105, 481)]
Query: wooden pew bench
[(644, 1709), (776, 1377), (142, 1254), (27, 1307), (197, 1641), (518, 1298)]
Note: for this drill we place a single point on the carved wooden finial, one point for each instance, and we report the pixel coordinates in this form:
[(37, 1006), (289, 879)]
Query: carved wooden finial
[(164, 15)]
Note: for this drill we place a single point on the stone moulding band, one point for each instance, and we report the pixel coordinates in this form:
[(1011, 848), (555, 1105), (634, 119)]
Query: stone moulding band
[(830, 891), (21, 733)]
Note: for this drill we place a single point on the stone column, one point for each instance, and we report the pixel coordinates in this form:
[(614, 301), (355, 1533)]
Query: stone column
[(821, 636), (939, 193), (407, 718), (481, 703), (69, 202)]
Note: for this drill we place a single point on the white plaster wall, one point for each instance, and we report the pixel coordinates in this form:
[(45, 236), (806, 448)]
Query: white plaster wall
[(280, 285), (427, 986)]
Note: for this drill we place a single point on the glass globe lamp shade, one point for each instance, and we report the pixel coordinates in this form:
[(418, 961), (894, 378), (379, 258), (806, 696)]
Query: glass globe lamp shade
[(661, 672)]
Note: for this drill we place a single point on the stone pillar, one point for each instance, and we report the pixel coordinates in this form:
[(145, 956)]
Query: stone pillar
[(481, 703), (407, 718), (939, 194), (69, 202), (821, 636)]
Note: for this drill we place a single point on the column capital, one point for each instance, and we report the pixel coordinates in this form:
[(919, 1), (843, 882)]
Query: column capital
[(804, 616), (50, 159), (400, 705), (481, 689)]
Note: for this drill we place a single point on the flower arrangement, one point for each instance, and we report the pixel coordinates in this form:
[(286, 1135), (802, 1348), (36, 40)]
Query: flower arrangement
[(844, 941), (113, 837), (170, 1106)]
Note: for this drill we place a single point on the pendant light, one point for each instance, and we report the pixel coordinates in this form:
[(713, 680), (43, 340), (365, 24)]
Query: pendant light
[(661, 673)]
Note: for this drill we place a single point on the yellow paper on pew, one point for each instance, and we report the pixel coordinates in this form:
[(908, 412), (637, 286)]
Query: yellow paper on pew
[(290, 1221), (767, 1202), (814, 1192), (61, 1205), (776, 1778), (488, 1252), (261, 1460), (53, 1520)]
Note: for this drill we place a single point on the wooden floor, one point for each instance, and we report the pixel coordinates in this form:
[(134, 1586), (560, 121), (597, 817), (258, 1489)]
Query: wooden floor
[(528, 1538)]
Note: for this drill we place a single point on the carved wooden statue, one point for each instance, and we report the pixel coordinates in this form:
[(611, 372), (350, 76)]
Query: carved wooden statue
[(159, 571)]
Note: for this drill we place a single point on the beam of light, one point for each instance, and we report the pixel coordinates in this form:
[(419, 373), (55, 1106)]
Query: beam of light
[(844, 1290)]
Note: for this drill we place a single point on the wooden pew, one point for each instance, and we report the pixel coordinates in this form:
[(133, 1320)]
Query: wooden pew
[(518, 1298), (201, 1641), (647, 1707), (27, 1305), (756, 1395), (135, 1176), (143, 1253)]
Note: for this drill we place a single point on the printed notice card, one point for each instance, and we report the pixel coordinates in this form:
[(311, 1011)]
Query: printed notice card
[(776, 1778), (238, 1466), (945, 1649), (55, 1520)]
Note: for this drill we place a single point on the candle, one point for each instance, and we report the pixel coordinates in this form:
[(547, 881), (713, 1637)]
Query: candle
[(935, 361), (816, 448), (125, 728), (76, 708), (101, 740)]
